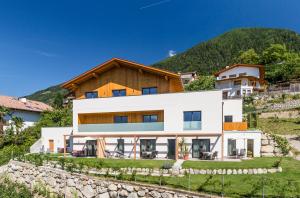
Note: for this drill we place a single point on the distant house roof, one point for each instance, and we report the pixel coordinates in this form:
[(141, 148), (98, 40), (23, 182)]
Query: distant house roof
[(23, 104), (117, 62), (261, 68)]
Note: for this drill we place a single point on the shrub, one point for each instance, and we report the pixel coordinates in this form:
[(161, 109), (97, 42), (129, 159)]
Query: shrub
[(282, 143), (62, 162), (167, 165)]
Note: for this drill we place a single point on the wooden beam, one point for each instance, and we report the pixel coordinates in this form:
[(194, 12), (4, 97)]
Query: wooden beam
[(65, 146), (95, 75), (134, 148), (141, 71), (117, 64), (166, 77)]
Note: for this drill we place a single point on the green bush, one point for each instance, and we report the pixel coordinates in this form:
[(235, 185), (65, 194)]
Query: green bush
[(282, 143)]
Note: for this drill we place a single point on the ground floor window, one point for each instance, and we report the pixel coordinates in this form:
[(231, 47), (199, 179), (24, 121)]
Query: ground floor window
[(91, 147), (148, 148), (231, 147), (199, 146), (250, 147), (120, 145)]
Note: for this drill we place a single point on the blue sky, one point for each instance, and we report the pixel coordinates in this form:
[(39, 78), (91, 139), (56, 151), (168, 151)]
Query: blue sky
[(43, 43)]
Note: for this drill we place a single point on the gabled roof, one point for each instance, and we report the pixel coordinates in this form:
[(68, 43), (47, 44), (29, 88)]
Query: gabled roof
[(261, 68), (25, 105), (113, 63)]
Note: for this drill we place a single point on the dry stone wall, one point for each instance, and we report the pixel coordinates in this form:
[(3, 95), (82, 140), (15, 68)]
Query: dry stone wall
[(269, 148), (70, 185)]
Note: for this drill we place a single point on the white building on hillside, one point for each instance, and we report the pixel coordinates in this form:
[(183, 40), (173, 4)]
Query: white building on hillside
[(240, 79), (28, 110), (127, 109)]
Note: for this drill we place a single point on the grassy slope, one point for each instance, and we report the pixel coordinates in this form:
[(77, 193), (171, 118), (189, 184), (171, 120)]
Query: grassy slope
[(285, 184), (280, 126)]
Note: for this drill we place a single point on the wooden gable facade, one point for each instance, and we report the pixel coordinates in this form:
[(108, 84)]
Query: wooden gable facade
[(118, 74)]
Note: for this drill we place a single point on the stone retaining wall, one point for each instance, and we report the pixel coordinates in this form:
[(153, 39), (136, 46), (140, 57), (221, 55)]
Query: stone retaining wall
[(77, 185), (269, 148)]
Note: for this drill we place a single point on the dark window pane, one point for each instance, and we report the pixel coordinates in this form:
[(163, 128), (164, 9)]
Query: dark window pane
[(196, 116), (153, 118), (120, 145), (120, 119), (92, 94), (187, 116), (149, 90), (119, 92), (228, 118), (150, 118), (153, 90)]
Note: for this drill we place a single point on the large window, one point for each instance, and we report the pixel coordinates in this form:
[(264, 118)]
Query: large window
[(192, 116), (149, 90), (199, 146), (91, 94), (237, 83), (150, 118), (228, 118), (120, 119), (119, 92)]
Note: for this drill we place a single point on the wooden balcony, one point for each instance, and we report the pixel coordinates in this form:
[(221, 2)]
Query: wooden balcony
[(235, 126)]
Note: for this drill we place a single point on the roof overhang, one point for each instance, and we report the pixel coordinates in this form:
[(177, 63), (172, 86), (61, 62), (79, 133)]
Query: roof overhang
[(116, 62)]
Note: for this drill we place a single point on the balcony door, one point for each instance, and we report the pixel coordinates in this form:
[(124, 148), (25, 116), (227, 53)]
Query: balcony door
[(231, 147), (199, 146), (171, 148)]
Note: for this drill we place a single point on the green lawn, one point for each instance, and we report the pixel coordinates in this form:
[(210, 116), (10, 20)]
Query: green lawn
[(280, 126), (285, 184), (253, 163)]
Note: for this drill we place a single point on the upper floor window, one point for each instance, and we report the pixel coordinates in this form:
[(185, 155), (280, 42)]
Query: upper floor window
[(91, 94), (119, 92), (228, 118), (237, 82), (192, 116), (232, 76), (121, 119), (243, 74), (150, 118), (223, 77), (149, 90)]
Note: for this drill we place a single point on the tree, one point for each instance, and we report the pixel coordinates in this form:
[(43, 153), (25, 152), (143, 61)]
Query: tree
[(276, 53), (58, 100), (17, 124), (202, 83), (3, 113), (248, 57)]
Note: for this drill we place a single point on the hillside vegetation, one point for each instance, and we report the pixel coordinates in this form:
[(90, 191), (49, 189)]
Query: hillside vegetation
[(212, 55)]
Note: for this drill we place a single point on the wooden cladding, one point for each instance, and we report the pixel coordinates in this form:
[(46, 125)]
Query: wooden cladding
[(235, 126), (106, 118), (132, 80)]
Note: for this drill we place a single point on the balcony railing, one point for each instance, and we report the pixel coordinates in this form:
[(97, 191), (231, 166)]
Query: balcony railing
[(235, 126), (192, 125), (121, 127)]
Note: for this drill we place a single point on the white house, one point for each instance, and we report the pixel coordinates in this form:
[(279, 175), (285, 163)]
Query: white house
[(188, 77), (240, 79), (28, 110), (137, 111)]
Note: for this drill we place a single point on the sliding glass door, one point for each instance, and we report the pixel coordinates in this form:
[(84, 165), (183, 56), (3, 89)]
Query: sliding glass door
[(200, 145)]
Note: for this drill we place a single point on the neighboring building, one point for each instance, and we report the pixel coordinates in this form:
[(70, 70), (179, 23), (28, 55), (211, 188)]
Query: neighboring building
[(188, 77), (139, 111), (28, 110), (240, 79)]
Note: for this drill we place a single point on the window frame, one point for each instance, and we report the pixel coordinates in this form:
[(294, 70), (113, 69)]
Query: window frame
[(91, 92), (192, 116), (119, 91), (228, 116), (121, 119), (149, 90), (150, 117)]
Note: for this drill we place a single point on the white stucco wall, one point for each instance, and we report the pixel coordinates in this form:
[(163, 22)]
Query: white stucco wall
[(234, 107), (241, 140), (173, 105), (28, 117), (56, 134)]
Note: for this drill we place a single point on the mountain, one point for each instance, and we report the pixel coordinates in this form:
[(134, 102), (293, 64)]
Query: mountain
[(210, 56), (47, 95)]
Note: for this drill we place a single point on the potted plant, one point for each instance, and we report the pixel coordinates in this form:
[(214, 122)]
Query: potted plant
[(186, 152)]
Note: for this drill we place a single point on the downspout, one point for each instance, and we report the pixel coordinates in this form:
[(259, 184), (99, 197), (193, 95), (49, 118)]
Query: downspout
[(222, 142)]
